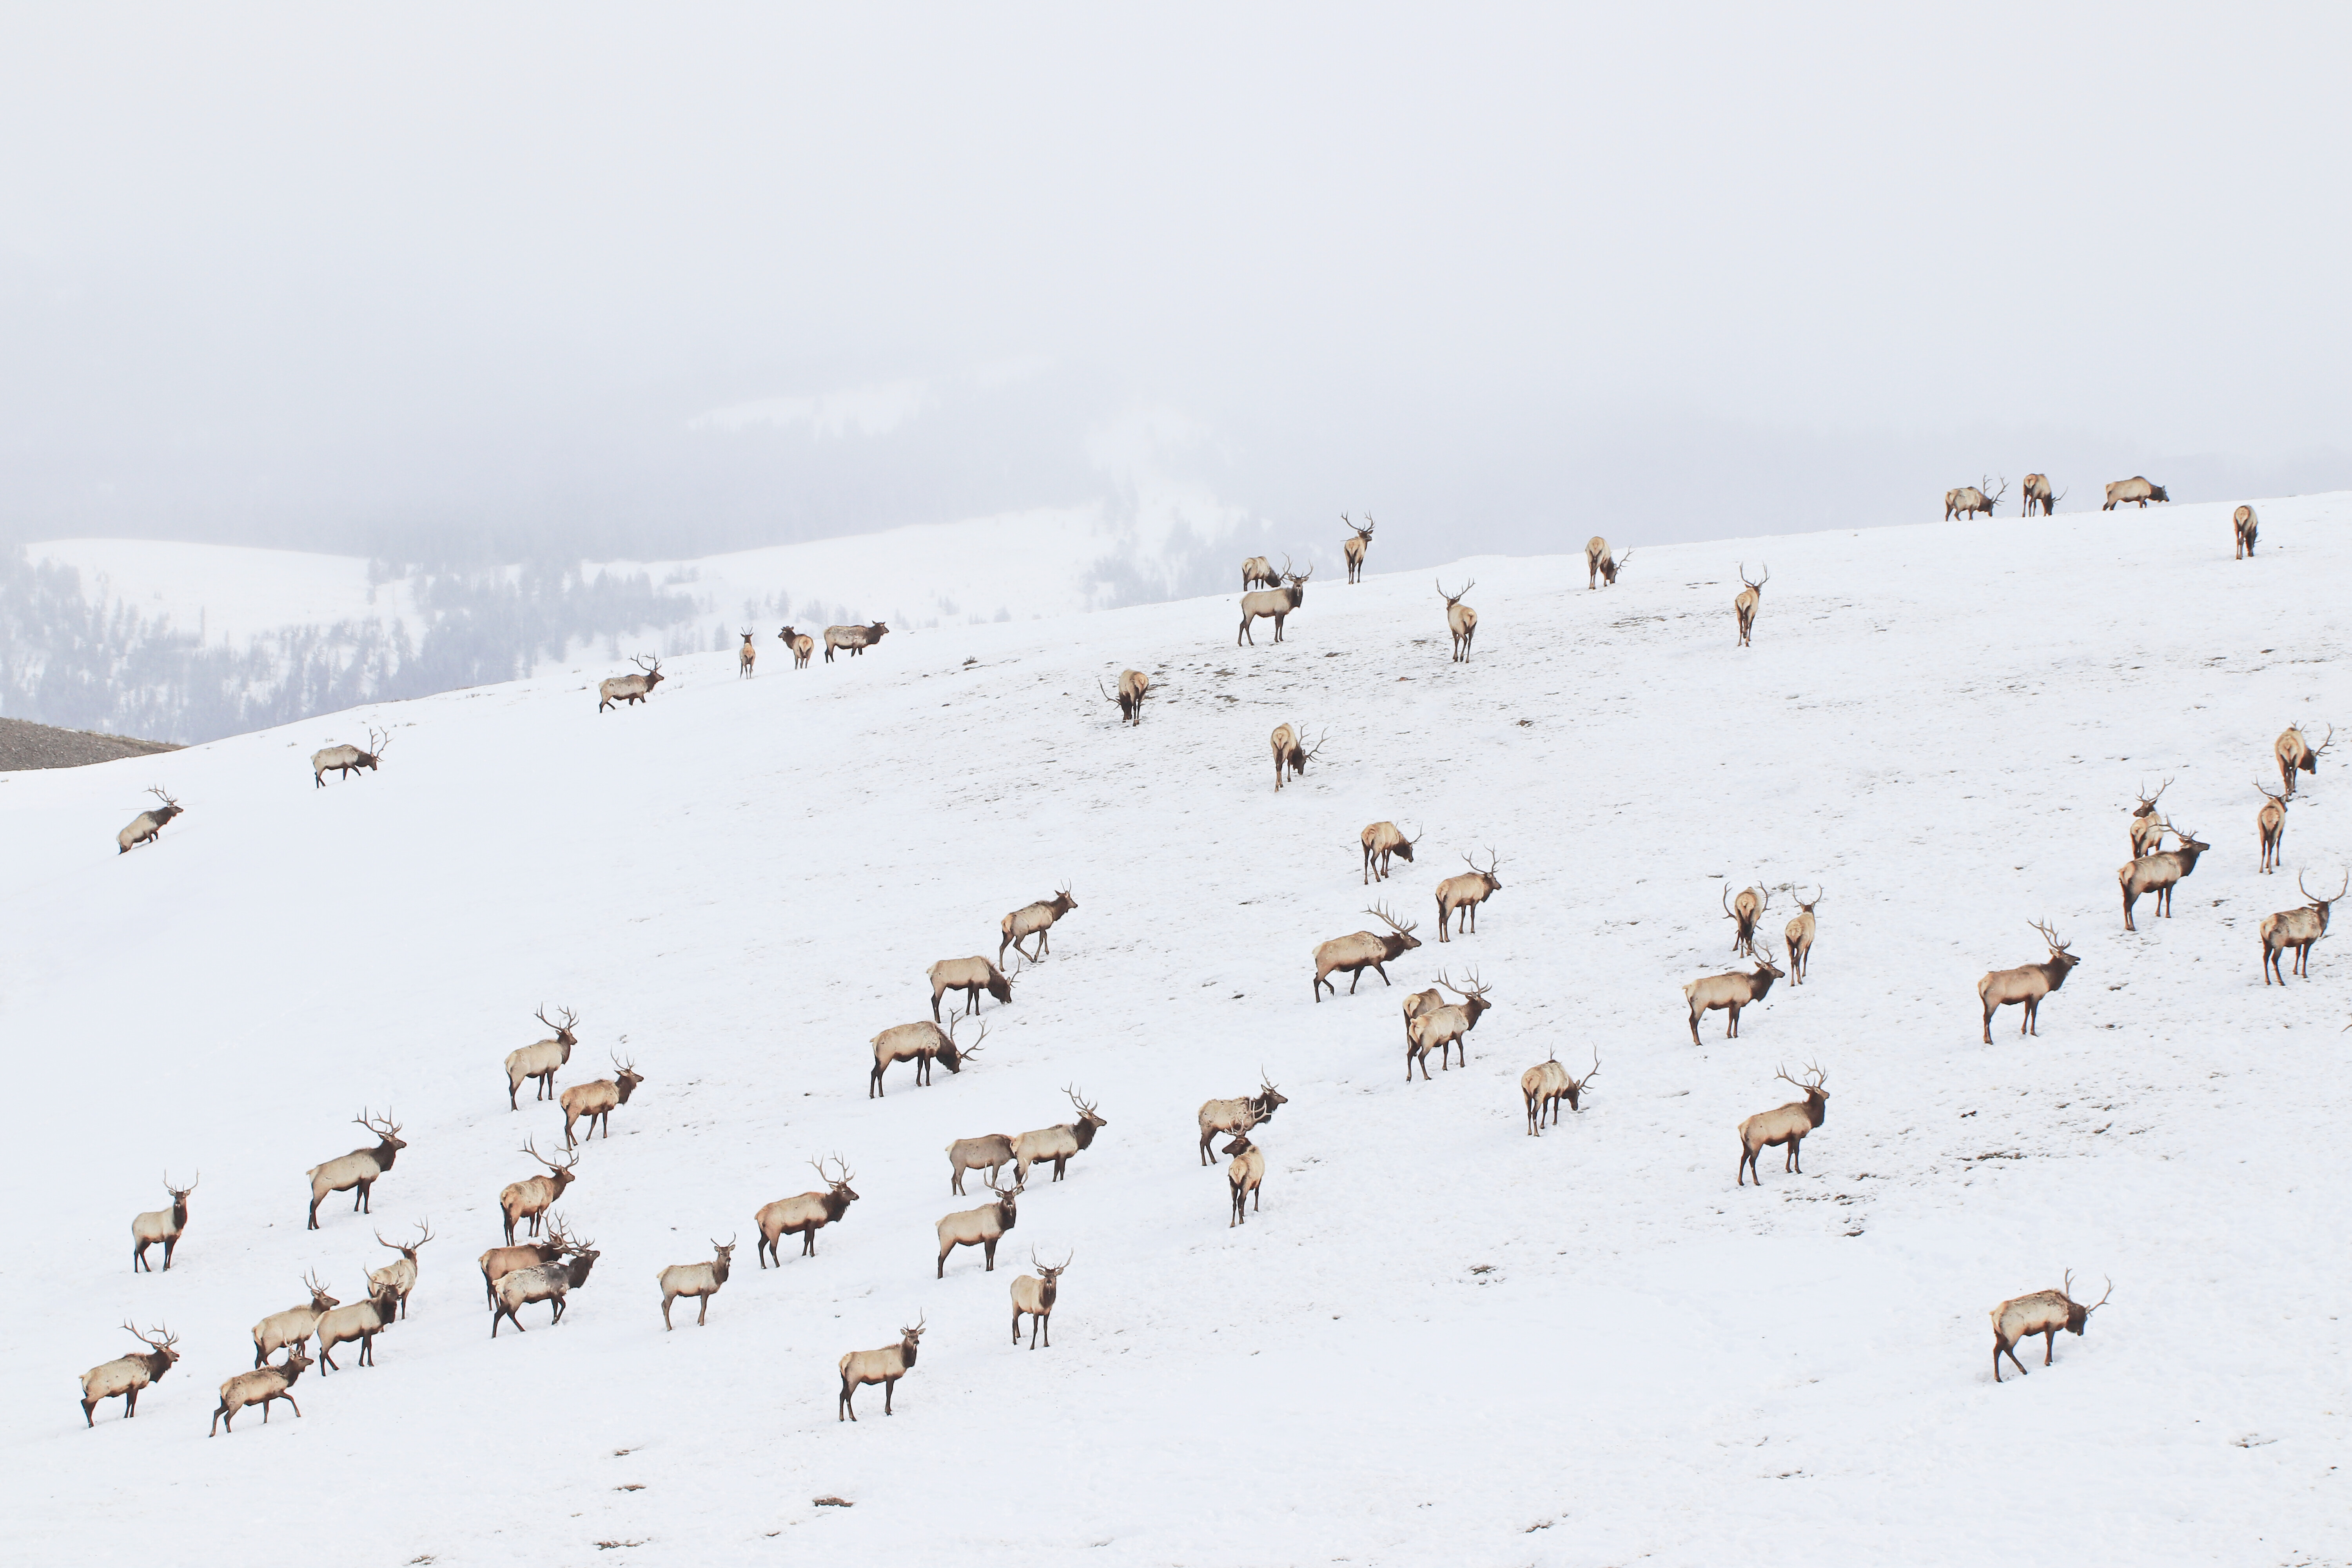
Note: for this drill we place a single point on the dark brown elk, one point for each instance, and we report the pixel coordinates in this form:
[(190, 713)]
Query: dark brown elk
[(1460, 619), (1970, 500), (1275, 602), (1358, 950), (1600, 567), (856, 639), (1458, 896), (630, 688), (2044, 1312), (2147, 826), (1798, 936), (2158, 874), (1035, 1297), (1444, 1028), (885, 1366), (922, 1044), (596, 1098), (126, 1375), (530, 1198), (970, 976), (162, 1227), (1743, 912), (747, 655), (1546, 1084), (1061, 1142), (1291, 753), (982, 1227), (148, 823), (537, 1062), (345, 760), (1750, 594), (1358, 547), (800, 643), (2122, 493), (1227, 1116), (2037, 494), (1134, 686), (1381, 840), (803, 1215), (2026, 984), (1257, 571), (1730, 992), (2270, 826), (2297, 929), (2244, 525), (1034, 919), (1786, 1124), (2296, 753), (359, 1168)]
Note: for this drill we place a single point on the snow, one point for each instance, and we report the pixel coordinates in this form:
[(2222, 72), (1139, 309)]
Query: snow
[(230, 593), (1441, 1340)]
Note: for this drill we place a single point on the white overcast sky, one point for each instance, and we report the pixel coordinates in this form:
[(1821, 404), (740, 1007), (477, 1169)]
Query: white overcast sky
[(698, 275)]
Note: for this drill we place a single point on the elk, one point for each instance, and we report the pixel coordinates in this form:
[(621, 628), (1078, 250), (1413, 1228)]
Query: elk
[(2044, 1312), (347, 759), (1257, 571), (982, 1227), (500, 1261), (359, 1168), (1786, 1124), (2027, 984), (126, 1375), (1360, 951), (747, 655), (1798, 937), (1751, 595), (971, 976), (1600, 567), (1275, 602), (531, 1197), (1460, 619), (1245, 1177), (263, 1387), (550, 1282), (1732, 991), (1417, 1004), (1290, 753), (2037, 493), (400, 1276), (801, 643), (2147, 826), (1465, 893), (1970, 500), (920, 1043), (630, 688), (2158, 874), (2122, 493), (540, 1061), (1381, 840), (1743, 912), (595, 1100), (1034, 919), (2293, 750), (1060, 1142), (885, 1366), (165, 1225), (1221, 1116), (2270, 826), (803, 1215), (856, 639), (1035, 1294), (2244, 525), (294, 1325), (2297, 929), (148, 823), (1546, 1084), (1444, 1027), (1356, 549), (361, 1321), (700, 1280), (1134, 686), (988, 1153)]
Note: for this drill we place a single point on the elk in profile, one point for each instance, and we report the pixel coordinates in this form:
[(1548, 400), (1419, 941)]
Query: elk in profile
[(1257, 571), (1443, 1028), (2293, 750), (2158, 874), (2147, 826), (2297, 929), (989, 1152), (1460, 619), (500, 1261), (550, 1282), (2270, 826), (1134, 686), (1786, 1124), (1224, 1116), (1245, 1177), (1360, 951), (982, 1227), (803, 1215), (1291, 753), (1275, 602), (596, 1099), (856, 639), (293, 1326), (1751, 595), (148, 823), (1034, 919), (262, 1387), (2244, 525), (1035, 1294), (359, 1168), (162, 1227), (2028, 983), (1798, 937), (801, 643), (747, 655), (2037, 494), (1743, 912), (1731, 990), (1381, 840), (921, 1044), (126, 1375), (1600, 567), (619, 688), (1357, 548), (540, 1061), (2124, 492), (699, 1280), (2044, 1312), (1060, 1142), (1546, 1084), (530, 1198), (361, 1321), (885, 1366), (970, 976), (1970, 500), (344, 760), (400, 1276), (1464, 893)]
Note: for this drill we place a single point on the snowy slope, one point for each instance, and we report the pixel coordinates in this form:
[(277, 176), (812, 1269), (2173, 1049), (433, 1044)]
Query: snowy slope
[(1442, 1340)]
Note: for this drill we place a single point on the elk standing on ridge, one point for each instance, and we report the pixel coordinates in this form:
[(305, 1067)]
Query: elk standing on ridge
[(1743, 912), (1060, 1142), (885, 1366), (1357, 548), (856, 639), (920, 1042), (2027, 984), (1222, 1116), (2294, 750), (1546, 1084), (1970, 500), (2244, 526), (747, 655), (161, 1226), (359, 1168), (1134, 686), (1798, 938), (540, 1061), (1460, 619), (1786, 1124), (1035, 1297), (1600, 567), (1381, 840), (1360, 951), (1034, 919), (2147, 826), (1444, 1027), (803, 1215), (1751, 595), (1465, 893), (2122, 493), (1289, 753), (126, 1375), (2037, 493), (2044, 1312), (617, 689), (800, 643), (148, 823), (361, 1321), (550, 1282), (970, 976), (982, 1227), (262, 1387), (400, 1278), (700, 1280), (2158, 874), (1731, 990), (293, 1326), (1245, 1177), (346, 759), (596, 1099), (2270, 826), (531, 1197), (1275, 602), (2297, 929)]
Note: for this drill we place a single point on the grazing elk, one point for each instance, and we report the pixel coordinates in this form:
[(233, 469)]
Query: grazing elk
[(540, 1061), (989, 1154), (1464, 893), (361, 1321), (2122, 493), (1798, 937), (1059, 1142), (2297, 929), (1035, 1294), (747, 655), (1245, 1177), (359, 1168), (344, 760), (1381, 840), (126, 1375), (595, 1100), (293, 1326), (1257, 571), (148, 823), (2044, 1312), (2270, 826), (263, 1387), (803, 1215), (2037, 494), (1786, 1124), (2244, 525), (1356, 549), (1360, 951), (163, 1226), (1443, 1028), (2294, 753), (1275, 602), (856, 639), (1290, 753), (921, 1044), (2027, 984), (1034, 919), (885, 1366), (550, 1282), (400, 1276), (699, 1280), (1743, 912), (1224, 1116), (1751, 595), (970, 976), (1546, 1084), (630, 688), (1600, 567), (801, 643), (1460, 619), (2147, 826), (1134, 686), (982, 1227), (500, 1261), (530, 1198), (1730, 991), (1970, 500), (2158, 874)]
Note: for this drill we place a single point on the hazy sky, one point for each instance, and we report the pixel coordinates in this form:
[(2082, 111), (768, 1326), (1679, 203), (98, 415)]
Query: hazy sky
[(698, 277)]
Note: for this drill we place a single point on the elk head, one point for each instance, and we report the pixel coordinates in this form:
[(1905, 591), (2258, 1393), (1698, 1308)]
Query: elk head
[(563, 1034), (1577, 1086), (837, 1186), (168, 810), (1086, 1116), (2078, 1316), (180, 1194), (386, 1131), (2147, 807), (1363, 533), (2309, 761), (1803, 902), (1267, 1097), (1487, 872), (2189, 841), (1050, 1274), (785, 634), (1474, 998), (2064, 960), (1402, 941), (907, 1337), (652, 671), (1810, 1085), (1766, 962), (1758, 586), (1992, 497), (626, 1078), (952, 1055), (319, 1299), (408, 1248), (746, 634), (2318, 903), (1301, 753), (1403, 850), (1297, 582), (1240, 1145), (1454, 598), (1004, 1196), (558, 1176)]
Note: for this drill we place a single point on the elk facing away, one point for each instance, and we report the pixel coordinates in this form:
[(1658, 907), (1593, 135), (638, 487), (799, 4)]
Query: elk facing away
[(1743, 912), (400, 1278), (1786, 1124), (2044, 1312), (1546, 1084), (970, 976), (2270, 826), (596, 1099), (885, 1366), (982, 1227), (1444, 1027), (1034, 919), (2147, 827), (2028, 983), (148, 823), (126, 1375), (1360, 951), (800, 643), (2122, 493), (1381, 840), (1060, 1142), (1970, 500), (1600, 567), (1730, 991), (2297, 929), (1357, 548), (1291, 753), (1134, 686), (747, 655), (920, 1042), (1275, 602), (1224, 1116), (1799, 937), (803, 1215), (1035, 1297), (262, 1387), (2244, 525), (359, 1168), (1245, 1177), (1465, 893), (540, 1061), (2296, 753), (630, 688), (1751, 595), (2037, 494), (161, 1227), (699, 1280), (856, 639), (1460, 619), (530, 1198), (345, 759), (2158, 874)]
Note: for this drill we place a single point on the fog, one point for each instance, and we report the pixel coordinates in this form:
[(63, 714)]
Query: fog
[(444, 282)]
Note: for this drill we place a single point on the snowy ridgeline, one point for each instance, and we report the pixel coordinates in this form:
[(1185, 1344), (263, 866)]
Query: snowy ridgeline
[(1441, 1339)]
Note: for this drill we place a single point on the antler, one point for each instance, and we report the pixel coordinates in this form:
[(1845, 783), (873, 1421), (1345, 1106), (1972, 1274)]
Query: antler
[(2316, 899), (1083, 1109), (1477, 988), (569, 1019), (531, 1148), (1760, 581), (1454, 598), (147, 1337), (389, 1128), (629, 1066), (2049, 936), (159, 793), (2277, 800), (1591, 1072), (312, 1281), (1263, 1081), (2101, 1301), (1381, 912), (640, 661)]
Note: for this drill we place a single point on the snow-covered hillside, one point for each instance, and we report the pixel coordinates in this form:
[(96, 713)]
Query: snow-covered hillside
[(1442, 1340)]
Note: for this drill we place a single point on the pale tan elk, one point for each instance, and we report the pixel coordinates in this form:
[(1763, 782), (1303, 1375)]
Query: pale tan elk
[(500, 1261), (1600, 567), (989, 1152), (2270, 826), (2158, 874), (1444, 1028), (361, 1321), (982, 1227), (1743, 912), (596, 1099), (1277, 603), (359, 1168), (1034, 919), (1257, 571), (295, 1324), (1460, 619), (262, 1387), (2027, 985), (1730, 992), (699, 1280), (1786, 1124), (2147, 827), (801, 643), (1291, 753), (1546, 1084), (162, 1227), (1381, 840), (803, 1215), (537, 1062), (345, 760), (126, 1375), (530, 1198), (1418, 1002), (1970, 500), (856, 639), (2297, 929), (920, 1042), (2244, 525), (148, 823), (885, 1366), (625, 688), (550, 1282), (1355, 549), (2296, 753), (1134, 686), (2044, 1312), (1061, 1142), (1797, 937), (747, 655), (1035, 1294), (1458, 896), (1358, 950), (399, 1276), (2037, 494), (1751, 595), (1225, 1116), (1245, 1177), (2124, 492), (970, 976)]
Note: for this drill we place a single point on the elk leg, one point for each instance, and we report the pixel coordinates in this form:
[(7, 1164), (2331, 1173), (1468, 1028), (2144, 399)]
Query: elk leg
[(360, 1202), (1353, 975), (1693, 1024), (1797, 1155), (990, 1247), (1731, 1030), (703, 1316), (842, 1408), (1047, 1321), (808, 1244), (890, 1387), (1382, 971), (2048, 1346)]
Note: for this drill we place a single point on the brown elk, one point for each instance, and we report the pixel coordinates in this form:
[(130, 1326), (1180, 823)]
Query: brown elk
[(126, 1375), (400, 1278), (699, 1280), (1357, 548), (2147, 827), (530, 1198), (991, 1152), (1060, 1142), (2158, 874), (596, 1099), (2037, 493), (1257, 571), (163, 1226), (1786, 1124), (885, 1366), (1291, 753), (359, 1168), (295, 1325), (2270, 826), (1458, 896), (1034, 919), (2296, 753), (1134, 686), (1381, 840), (500, 1261), (800, 643), (2244, 525), (803, 1215), (1731, 990), (1233, 1116), (1443, 1028), (970, 976), (345, 760), (1460, 619), (263, 1387), (2297, 929), (856, 639), (361, 1321), (551, 1282), (1546, 1084), (539, 1061), (2028, 983), (982, 1227), (1743, 912), (2122, 493), (1035, 1297), (1360, 951), (619, 688), (2044, 1312), (148, 823), (1600, 567), (1751, 595), (1245, 1177), (922, 1044), (747, 655), (1970, 500), (1797, 936), (1275, 602)]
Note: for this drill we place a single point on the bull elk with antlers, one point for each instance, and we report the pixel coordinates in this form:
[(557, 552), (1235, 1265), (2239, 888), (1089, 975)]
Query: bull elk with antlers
[(1134, 686), (1458, 896), (2295, 752), (148, 823), (537, 1063), (345, 760), (530, 1198), (2044, 1312), (1798, 937), (971, 976), (1292, 753), (1381, 840), (1444, 1028), (885, 1366), (982, 1227), (1231, 1116), (263, 1386), (126, 1375), (2243, 525), (1355, 549), (1731, 992), (747, 655), (2297, 929), (1035, 1296), (1257, 571), (1277, 603), (624, 688), (699, 1280), (1034, 919), (1358, 950), (921, 1043), (1460, 619), (399, 1275), (161, 1227), (1743, 912), (1546, 1084), (2124, 492), (2026, 984), (1970, 500), (1786, 1124), (1743, 606), (1600, 567), (2158, 873), (2270, 826), (2037, 494), (803, 1215), (2147, 827), (1061, 1142), (596, 1099), (359, 1168)]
